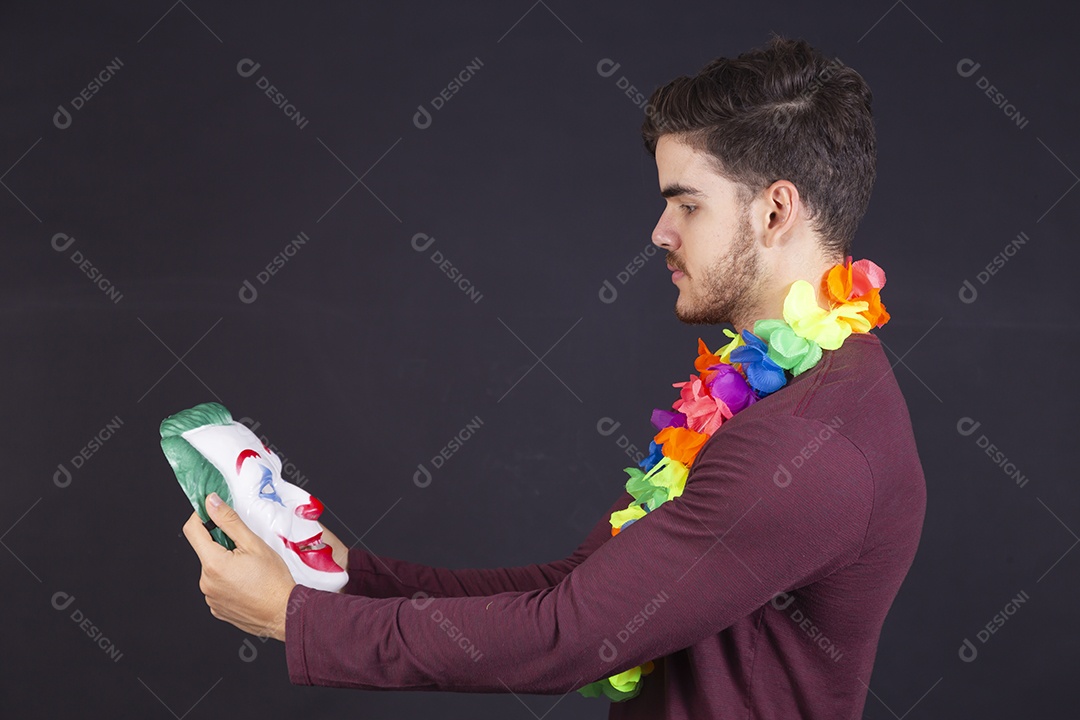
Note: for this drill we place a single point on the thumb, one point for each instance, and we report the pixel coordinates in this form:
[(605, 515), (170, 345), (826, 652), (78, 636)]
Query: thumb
[(229, 521)]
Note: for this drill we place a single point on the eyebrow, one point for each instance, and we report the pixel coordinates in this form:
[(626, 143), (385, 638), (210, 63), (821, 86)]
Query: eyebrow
[(677, 189), (244, 455)]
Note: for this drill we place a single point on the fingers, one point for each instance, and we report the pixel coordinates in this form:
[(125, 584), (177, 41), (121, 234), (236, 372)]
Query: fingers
[(201, 541), (229, 521), (341, 553)]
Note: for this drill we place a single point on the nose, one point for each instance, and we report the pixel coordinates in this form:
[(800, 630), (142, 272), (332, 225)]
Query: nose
[(664, 234), (310, 511)]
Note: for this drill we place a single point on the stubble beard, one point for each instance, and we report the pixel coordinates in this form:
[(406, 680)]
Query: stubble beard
[(729, 290)]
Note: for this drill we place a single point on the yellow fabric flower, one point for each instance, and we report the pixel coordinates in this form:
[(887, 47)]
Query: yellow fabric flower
[(621, 517), (670, 474), (626, 680), (828, 328), (725, 352)]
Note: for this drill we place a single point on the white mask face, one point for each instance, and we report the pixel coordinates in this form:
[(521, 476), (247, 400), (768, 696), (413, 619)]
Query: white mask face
[(281, 513)]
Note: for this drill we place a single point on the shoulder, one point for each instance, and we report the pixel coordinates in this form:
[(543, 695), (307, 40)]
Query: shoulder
[(792, 459), (783, 438), (809, 488)]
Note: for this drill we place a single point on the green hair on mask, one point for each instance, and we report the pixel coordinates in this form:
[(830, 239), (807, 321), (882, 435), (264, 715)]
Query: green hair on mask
[(197, 476)]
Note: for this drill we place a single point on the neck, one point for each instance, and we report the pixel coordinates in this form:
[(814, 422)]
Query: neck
[(771, 298)]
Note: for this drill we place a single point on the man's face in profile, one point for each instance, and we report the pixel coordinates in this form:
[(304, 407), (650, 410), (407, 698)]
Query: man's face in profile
[(708, 236), (280, 513)]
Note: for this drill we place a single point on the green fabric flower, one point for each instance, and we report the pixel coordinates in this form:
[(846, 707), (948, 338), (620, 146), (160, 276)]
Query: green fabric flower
[(787, 349)]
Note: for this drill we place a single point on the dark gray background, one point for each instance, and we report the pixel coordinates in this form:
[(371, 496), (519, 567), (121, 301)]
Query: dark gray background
[(179, 180)]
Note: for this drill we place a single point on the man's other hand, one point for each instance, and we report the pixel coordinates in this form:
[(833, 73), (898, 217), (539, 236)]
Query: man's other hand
[(249, 586)]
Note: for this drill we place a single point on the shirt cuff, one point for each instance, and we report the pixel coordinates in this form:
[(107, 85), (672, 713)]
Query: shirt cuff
[(295, 656), (358, 567)]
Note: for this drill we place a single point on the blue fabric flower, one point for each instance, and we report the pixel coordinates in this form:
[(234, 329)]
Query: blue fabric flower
[(762, 372), (656, 454)]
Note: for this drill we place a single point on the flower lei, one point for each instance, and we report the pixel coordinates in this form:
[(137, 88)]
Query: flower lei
[(750, 367)]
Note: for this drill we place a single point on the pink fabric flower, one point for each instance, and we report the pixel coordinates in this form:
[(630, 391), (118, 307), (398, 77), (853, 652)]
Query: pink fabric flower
[(704, 413)]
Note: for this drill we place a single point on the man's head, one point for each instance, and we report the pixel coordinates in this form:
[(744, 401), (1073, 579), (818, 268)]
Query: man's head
[(767, 163), (210, 452)]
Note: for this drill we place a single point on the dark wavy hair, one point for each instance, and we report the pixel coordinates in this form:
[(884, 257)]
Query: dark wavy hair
[(781, 111)]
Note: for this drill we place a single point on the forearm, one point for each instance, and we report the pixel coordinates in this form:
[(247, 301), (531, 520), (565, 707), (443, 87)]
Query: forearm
[(385, 577), (428, 643)]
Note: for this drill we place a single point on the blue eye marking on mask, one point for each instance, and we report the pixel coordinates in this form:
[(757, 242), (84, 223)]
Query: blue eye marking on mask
[(267, 491)]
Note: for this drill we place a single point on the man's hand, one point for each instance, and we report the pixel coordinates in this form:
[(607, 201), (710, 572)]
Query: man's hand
[(249, 586)]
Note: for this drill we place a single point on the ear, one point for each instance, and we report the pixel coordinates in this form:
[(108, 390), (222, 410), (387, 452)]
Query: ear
[(780, 212)]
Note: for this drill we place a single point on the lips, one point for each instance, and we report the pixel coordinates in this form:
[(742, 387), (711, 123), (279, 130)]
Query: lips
[(674, 269), (314, 553)]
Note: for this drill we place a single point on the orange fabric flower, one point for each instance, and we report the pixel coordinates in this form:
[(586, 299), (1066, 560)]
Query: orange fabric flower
[(681, 444), (849, 282), (704, 358), (875, 314)]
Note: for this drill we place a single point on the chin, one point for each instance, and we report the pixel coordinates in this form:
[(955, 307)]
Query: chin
[(698, 316)]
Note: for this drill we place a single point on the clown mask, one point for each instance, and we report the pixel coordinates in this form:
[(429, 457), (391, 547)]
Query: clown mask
[(210, 452)]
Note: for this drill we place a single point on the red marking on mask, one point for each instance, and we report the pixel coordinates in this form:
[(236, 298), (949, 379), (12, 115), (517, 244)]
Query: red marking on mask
[(312, 510), (244, 455)]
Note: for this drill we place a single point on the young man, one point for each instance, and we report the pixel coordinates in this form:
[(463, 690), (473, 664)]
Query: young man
[(760, 589)]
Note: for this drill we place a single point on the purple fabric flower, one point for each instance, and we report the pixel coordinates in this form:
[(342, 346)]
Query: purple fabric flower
[(666, 418), (727, 384)]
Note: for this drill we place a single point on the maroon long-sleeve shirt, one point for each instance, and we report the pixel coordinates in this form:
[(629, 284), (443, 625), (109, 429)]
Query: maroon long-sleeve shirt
[(760, 592)]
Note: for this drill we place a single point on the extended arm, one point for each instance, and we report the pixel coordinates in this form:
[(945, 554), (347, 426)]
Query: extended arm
[(728, 544)]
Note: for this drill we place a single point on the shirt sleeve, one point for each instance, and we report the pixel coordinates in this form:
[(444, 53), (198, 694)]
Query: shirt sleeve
[(740, 533), (383, 577)]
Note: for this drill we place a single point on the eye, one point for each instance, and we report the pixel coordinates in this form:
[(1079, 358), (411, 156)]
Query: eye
[(267, 490), (688, 208)]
